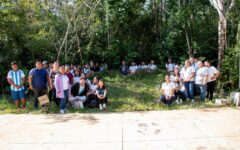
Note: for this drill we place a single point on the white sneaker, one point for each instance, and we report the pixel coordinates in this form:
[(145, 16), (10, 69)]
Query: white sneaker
[(192, 100), (177, 102), (104, 106), (100, 107), (81, 105), (180, 101), (62, 111)]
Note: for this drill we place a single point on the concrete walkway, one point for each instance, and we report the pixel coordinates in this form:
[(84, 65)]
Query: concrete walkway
[(212, 129)]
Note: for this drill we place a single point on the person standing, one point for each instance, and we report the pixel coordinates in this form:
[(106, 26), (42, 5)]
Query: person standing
[(188, 74), (213, 75), (62, 86), (38, 81), (52, 92), (201, 80), (16, 78)]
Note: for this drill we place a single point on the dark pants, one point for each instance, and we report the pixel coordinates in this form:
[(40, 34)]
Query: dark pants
[(165, 101), (210, 89), (38, 93), (53, 96), (102, 101), (180, 94)]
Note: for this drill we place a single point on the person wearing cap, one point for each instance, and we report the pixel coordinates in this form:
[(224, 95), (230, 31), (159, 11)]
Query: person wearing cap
[(16, 78), (45, 66), (38, 81)]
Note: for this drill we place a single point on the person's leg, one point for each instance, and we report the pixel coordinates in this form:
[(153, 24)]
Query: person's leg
[(186, 85), (163, 99), (202, 92), (23, 98), (36, 95), (17, 103), (191, 88), (212, 89)]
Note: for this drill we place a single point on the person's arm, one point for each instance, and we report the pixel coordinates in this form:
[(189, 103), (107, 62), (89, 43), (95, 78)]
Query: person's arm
[(105, 93), (49, 81), (97, 94), (11, 82), (192, 75)]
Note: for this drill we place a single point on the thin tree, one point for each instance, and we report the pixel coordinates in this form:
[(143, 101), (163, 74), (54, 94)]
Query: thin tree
[(223, 7)]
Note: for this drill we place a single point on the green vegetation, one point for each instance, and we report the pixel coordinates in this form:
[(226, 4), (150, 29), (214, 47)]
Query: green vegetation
[(133, 93)]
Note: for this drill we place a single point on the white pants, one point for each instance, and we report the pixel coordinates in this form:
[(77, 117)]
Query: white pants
[(77, 101)]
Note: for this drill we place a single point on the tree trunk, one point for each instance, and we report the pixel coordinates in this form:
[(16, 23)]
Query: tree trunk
[(222, 28)]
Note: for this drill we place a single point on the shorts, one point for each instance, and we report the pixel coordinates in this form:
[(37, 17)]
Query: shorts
[(18, 95)]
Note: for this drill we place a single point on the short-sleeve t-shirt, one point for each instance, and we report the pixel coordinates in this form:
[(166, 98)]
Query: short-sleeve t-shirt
[(16, 77), (170, 67), (187, 72), (39, 78), (200, 74), (133, 68), (211, 71), (168, 87)]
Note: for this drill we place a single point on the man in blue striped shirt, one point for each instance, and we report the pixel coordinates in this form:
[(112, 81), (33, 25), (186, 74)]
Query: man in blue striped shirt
[(16, 79)]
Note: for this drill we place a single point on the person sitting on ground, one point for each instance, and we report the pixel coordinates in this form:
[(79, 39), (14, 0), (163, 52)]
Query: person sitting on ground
[(213, 75), (97, 67), (92, 96), (103, 67), (87, 71), (62, 85), (133, 68), (87, 80), (180, 93), (16, 78), (69, 74), (201, 80), (76, 78), (143, 66), (152, 66), (124, 69), (92, 66), (79, 93), (170, 66), (101, 94), (168, 89), (38, 81)]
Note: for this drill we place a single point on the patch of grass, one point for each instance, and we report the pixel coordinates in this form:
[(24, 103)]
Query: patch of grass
[(133, 93)]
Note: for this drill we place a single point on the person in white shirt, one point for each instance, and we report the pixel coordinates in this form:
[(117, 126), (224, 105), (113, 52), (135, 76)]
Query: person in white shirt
[(168, 89), (133, 68), (180, 92), (76, 78), (62, 85), (143, 66), (201, 80), (152, 66), (16, 78), (170, 66), (188, 73), (213, 74)]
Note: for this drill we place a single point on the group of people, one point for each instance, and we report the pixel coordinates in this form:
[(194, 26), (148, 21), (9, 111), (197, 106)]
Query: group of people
[(185, 82), (70, 84), (66, 84), (125, 70)]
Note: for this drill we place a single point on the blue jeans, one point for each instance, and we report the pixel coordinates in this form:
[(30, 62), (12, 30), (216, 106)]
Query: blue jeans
[(63, 100), (201, 89), (189, 86)]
